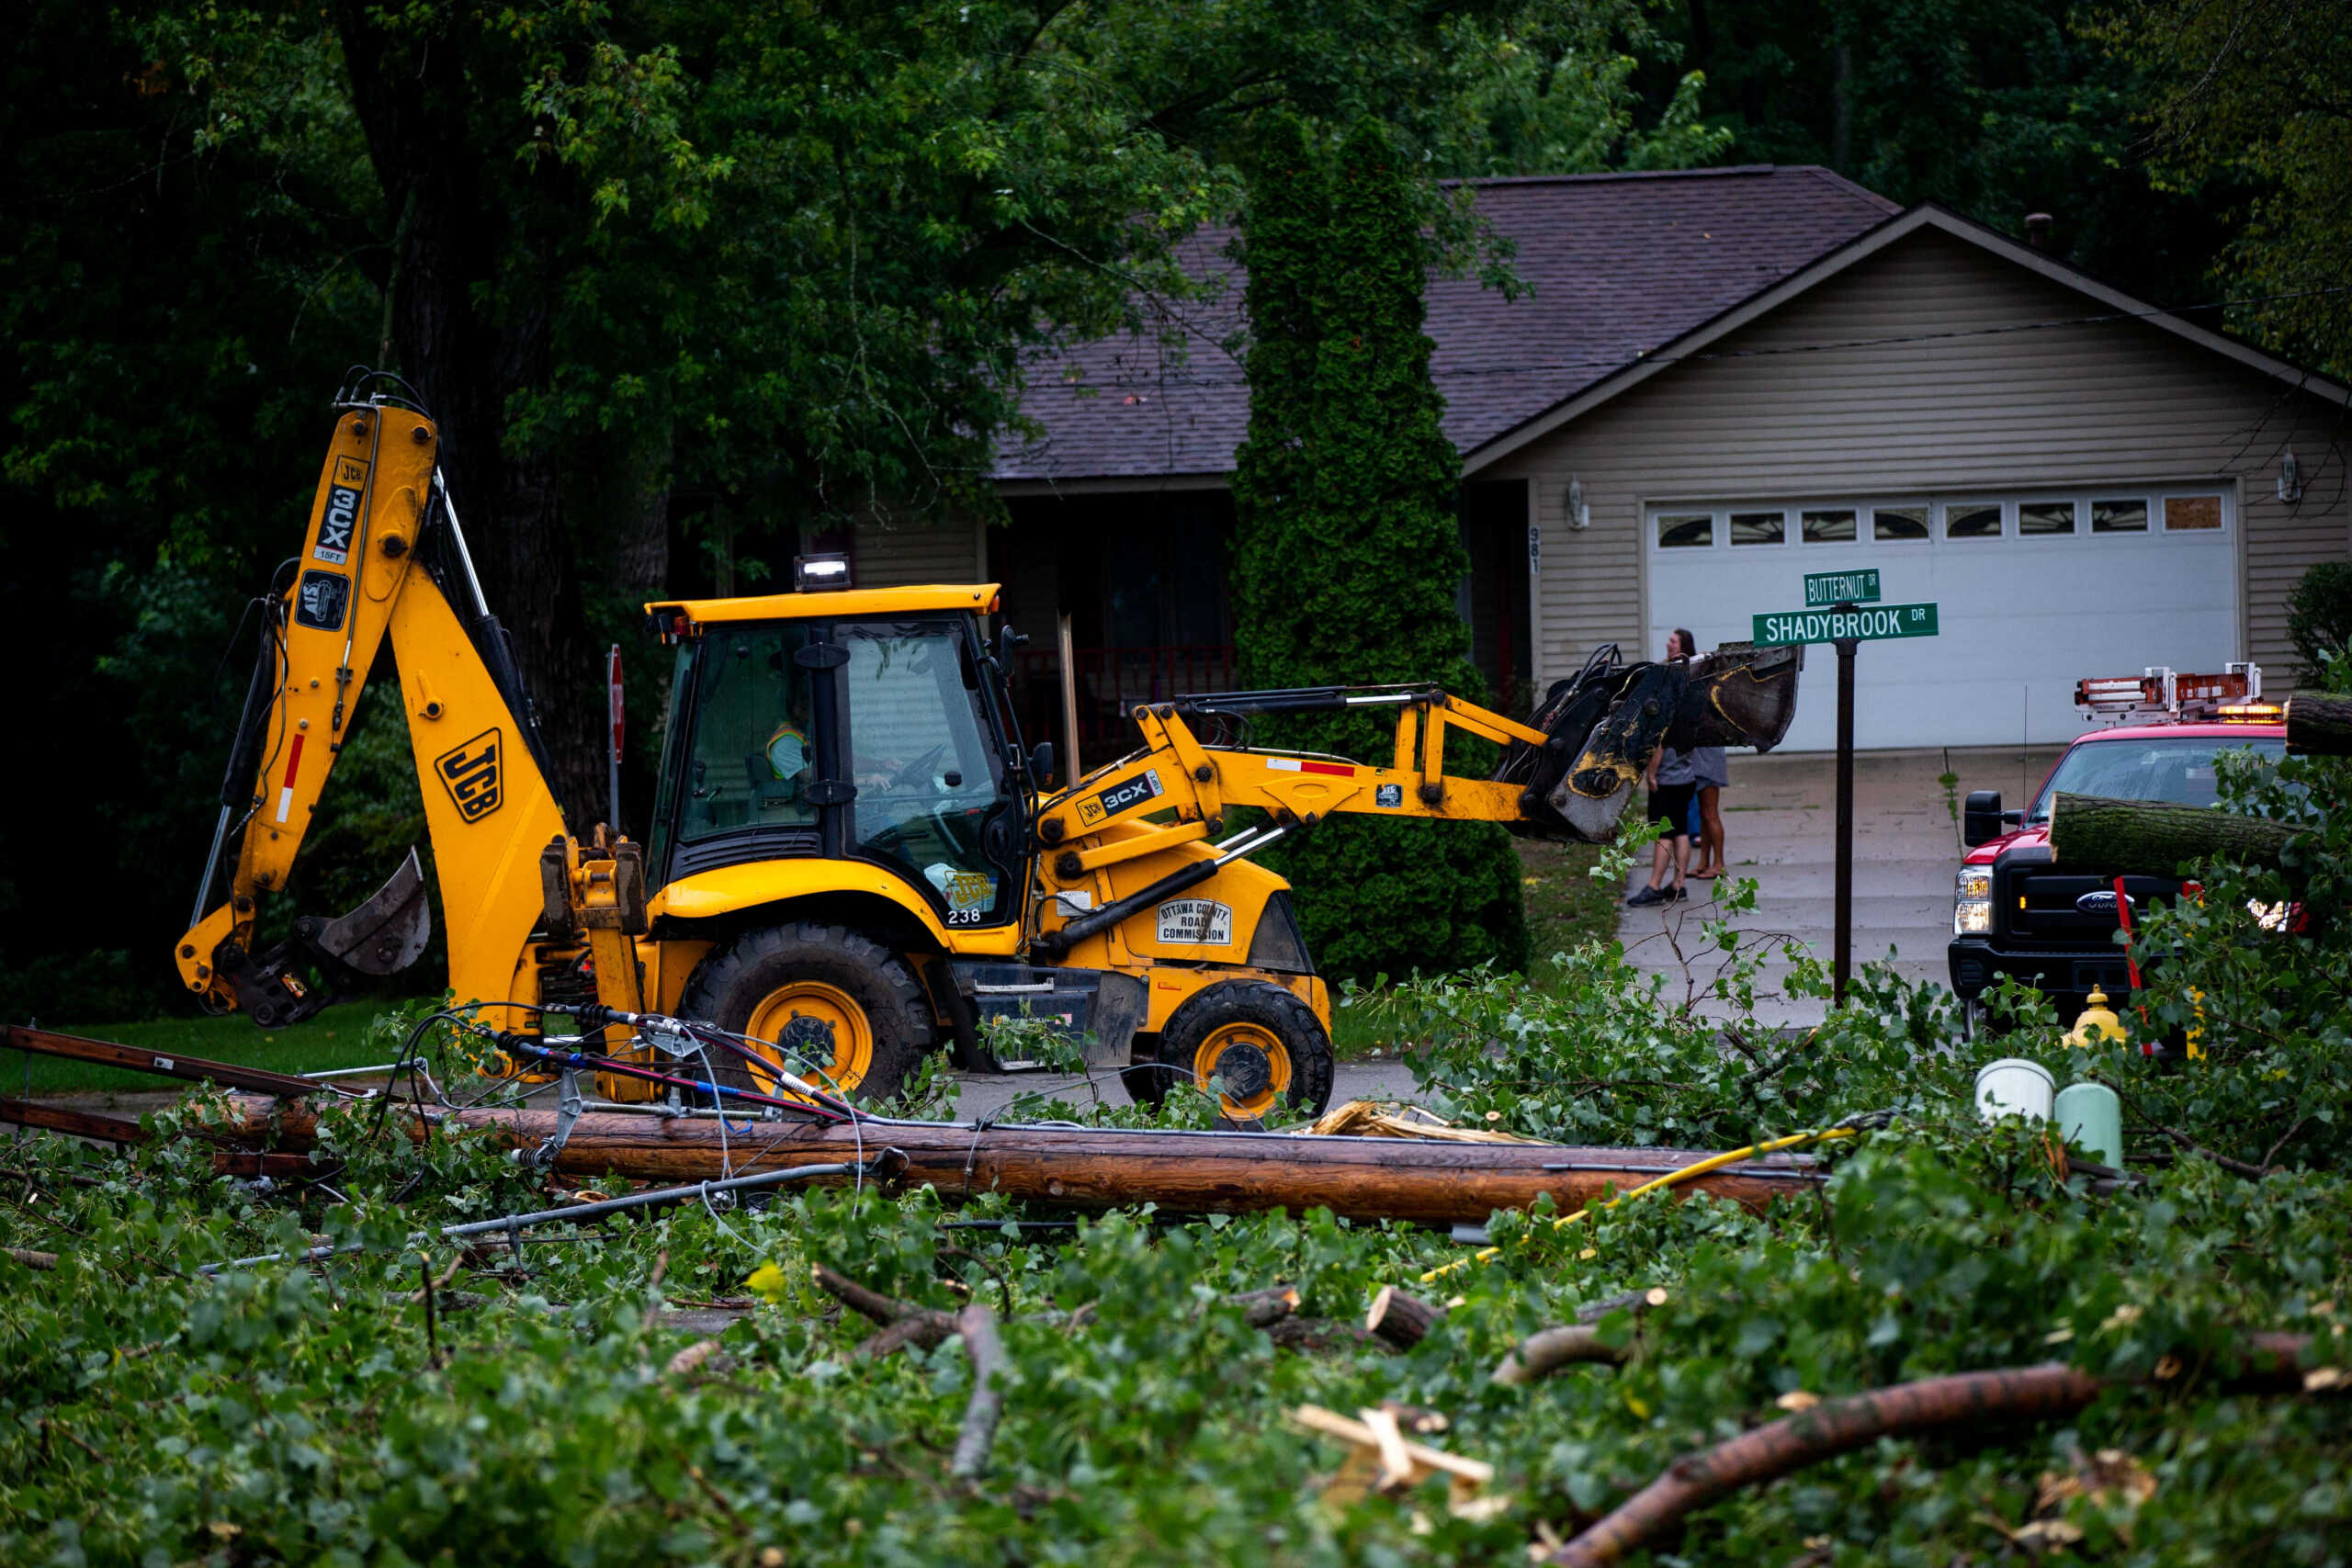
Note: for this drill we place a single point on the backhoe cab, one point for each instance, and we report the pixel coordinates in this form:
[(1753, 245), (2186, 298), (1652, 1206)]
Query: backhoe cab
[(853, 857)]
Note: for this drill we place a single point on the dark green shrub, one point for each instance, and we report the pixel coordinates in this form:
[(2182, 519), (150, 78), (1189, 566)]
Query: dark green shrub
[(1347, 552), (2319, 617)]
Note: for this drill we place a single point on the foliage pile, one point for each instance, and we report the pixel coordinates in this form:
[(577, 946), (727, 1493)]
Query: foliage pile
[(559, 1410), (1347, 550)]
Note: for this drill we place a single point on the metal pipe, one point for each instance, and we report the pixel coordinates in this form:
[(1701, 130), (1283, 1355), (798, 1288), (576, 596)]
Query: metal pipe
[(1842, 964), (592, 1211)]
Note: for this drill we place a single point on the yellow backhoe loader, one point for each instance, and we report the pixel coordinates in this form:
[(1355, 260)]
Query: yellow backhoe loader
[(854, 859)]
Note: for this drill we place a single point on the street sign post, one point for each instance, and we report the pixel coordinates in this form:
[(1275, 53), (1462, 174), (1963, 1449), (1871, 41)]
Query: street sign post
[(1834, 613), (1857, 587)]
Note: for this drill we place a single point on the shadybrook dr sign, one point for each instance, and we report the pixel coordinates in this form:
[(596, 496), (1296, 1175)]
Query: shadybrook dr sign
[(1876, 623)]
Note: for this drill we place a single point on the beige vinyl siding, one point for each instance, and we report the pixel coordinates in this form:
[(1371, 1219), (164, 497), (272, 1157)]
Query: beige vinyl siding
[(902, 554), (2001, 411)]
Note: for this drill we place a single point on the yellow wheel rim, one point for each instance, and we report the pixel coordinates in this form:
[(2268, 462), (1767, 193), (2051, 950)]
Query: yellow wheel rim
[(790, 1010), (1253, 1060)]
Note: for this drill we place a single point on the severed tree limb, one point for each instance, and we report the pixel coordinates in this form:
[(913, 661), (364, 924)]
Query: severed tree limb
[(2319, 725), (1403, 1321), (43, 1261), (869, 1303), (977, 1324), (1840, 1425), (1547, 1350), (1264, 1309)]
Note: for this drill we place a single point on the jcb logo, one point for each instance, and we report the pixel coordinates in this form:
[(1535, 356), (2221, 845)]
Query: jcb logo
[(470, 772), (341, 520)]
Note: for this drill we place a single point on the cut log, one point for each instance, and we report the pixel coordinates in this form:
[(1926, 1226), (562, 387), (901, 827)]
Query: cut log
[(2319, 725), (2154, 837), (1404, 1321), (1085, 1168), (41, 1261)]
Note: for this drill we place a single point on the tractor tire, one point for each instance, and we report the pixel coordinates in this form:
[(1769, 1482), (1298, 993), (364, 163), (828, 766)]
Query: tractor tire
[(840, 1002), (1268, 1047)]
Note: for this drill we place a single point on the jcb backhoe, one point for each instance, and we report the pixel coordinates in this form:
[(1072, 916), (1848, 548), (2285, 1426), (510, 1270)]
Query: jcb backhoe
[(853, 857)]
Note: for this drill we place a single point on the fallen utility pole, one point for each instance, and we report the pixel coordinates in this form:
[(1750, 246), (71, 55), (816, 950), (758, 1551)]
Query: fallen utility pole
[(1187, 1172), (117, 1130), (187, 1070)]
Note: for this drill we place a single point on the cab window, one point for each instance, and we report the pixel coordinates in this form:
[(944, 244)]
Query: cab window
[(753, 753), (928, 777), (2174, 768)]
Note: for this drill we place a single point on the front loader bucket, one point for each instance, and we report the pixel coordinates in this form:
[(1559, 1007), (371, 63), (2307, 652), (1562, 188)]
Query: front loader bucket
[(1604, 722), (384, 935), (1739, 695)]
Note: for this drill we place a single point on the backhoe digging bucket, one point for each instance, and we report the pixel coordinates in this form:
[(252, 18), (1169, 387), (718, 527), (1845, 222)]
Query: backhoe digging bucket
[(383, 936)]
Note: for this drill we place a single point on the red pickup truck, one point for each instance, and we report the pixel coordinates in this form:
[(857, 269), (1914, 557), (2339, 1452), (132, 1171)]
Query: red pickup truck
[(2015, 912)]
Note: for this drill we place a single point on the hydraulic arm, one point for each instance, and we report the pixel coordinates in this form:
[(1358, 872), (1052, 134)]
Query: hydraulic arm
[(383, 555)]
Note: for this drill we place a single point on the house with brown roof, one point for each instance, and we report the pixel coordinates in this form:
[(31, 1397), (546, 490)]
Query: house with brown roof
[(1716, 383)]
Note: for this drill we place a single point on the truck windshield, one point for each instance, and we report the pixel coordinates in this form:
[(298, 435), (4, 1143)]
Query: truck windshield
[(2174, 768)]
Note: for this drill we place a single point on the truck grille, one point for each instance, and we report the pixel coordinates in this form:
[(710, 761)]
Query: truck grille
[(2035, 901)]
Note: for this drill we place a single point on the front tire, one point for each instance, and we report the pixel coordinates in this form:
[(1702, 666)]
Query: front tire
[(823, 996), (1268, 1047)]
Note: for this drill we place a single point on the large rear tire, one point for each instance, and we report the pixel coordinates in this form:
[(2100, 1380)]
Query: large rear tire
[(839, 1002), (1270, 1049)]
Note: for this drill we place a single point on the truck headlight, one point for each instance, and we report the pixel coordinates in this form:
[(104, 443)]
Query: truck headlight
[(1971, 903)]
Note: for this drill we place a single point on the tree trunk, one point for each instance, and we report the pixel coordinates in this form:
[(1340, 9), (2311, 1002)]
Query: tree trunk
[(2319, 725), (459, 244), (2153, 838)]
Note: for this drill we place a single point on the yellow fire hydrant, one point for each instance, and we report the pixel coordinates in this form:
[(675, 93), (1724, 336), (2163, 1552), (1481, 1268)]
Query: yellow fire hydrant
[(2097, 1022)]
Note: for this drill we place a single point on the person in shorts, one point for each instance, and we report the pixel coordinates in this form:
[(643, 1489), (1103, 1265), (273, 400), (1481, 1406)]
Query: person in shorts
[(1671, 782), (1713, 770)]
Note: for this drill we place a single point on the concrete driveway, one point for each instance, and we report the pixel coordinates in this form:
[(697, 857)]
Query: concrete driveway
[(1779, 828)]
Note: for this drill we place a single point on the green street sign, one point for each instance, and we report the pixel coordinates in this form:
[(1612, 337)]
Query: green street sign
[(1822, 589), (1828, 626)]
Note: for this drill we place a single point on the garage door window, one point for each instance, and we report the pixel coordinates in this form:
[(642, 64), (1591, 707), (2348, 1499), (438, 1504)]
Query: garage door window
[(1686, 530), (2043, 518), (1898, 523), (1973, 520), (1759, 527), (2191, 512), (1829, 527), (2119, 516)]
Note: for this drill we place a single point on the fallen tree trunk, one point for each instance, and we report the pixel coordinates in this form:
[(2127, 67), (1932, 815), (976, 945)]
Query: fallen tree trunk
[(1086, 1168), (1840, 1425), (2155, 838), (2319, 725)]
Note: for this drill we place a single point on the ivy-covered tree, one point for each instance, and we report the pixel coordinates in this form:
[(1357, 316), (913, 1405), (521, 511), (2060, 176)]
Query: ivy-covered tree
[(1348, 553)]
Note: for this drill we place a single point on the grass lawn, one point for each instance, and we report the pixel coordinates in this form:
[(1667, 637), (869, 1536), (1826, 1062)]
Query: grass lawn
[(338, 1037), (1565, 908)]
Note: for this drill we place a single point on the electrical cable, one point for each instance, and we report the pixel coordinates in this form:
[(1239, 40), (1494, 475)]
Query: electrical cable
[(1846, 1129)]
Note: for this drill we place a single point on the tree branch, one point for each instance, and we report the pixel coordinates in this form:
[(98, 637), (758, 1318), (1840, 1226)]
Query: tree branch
[(978, 1435)]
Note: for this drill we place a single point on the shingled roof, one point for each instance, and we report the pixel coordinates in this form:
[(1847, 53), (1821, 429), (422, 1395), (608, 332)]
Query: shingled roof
[(1616, 265)]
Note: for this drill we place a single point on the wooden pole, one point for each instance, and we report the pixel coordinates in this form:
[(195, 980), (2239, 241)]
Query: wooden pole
[(187, 1070), (1397, 1178), (1074, 770)]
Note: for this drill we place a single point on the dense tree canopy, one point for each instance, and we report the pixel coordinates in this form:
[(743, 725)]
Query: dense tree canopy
[(683, 279)]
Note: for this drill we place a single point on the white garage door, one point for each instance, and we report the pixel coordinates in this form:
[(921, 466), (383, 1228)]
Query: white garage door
[(2036, 590)]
